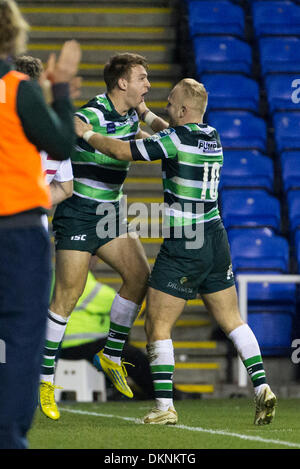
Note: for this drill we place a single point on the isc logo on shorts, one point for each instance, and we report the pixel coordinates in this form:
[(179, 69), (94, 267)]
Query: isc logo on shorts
[(78, 237)]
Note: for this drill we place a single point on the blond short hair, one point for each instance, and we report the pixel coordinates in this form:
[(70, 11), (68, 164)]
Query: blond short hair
[(195, 93), (13, 28)]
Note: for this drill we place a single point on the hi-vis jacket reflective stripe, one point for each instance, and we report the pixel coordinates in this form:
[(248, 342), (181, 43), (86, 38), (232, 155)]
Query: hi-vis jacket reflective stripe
[(22, 181)]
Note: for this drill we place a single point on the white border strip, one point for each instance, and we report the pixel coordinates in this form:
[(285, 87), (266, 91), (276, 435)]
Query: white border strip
[(193, 429)]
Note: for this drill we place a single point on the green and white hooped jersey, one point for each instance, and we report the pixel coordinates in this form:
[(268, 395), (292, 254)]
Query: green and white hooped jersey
[(192, 158), (97, 177)]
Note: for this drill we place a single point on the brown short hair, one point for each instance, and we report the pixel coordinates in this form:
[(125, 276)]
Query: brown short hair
[(12, 25), (32, 66), (120, 65)]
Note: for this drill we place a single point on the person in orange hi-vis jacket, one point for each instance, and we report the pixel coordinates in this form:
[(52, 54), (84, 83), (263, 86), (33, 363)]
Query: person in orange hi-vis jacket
[(28, 125)]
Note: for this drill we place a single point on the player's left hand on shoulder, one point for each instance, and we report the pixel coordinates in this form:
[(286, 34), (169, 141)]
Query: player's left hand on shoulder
[(81, 127)]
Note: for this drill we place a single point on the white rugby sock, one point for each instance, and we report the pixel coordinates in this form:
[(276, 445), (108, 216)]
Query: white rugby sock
[(248, 349), (122, 316)]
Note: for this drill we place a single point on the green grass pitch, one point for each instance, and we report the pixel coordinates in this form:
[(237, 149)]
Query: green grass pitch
[(203, 424)]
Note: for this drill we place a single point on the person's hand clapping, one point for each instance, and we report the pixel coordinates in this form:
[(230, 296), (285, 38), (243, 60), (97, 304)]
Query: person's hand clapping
[(65, 68)]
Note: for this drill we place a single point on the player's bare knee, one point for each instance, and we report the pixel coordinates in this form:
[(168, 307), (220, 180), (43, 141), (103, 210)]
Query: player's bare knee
[(137, 280)]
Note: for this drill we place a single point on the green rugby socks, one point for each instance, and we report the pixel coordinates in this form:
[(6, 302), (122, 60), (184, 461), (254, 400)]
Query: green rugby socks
[(122, 316), (56, 326), (162, 364), (115, 342)]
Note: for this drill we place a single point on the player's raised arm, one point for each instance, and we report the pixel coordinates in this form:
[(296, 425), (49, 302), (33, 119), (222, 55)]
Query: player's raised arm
[(155, 122), (114, 148)]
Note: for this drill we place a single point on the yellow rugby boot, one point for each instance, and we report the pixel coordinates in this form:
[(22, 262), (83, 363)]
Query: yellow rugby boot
[(47, 402), (116, 373)]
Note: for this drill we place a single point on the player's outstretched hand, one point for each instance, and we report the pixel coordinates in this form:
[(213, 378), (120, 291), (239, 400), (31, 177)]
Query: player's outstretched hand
[(65, 68), (81, 127)]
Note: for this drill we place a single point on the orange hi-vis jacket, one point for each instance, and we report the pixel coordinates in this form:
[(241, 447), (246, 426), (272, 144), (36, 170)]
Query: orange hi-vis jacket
[(22, 181)]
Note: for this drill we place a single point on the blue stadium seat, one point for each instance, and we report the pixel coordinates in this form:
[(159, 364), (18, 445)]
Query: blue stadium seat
[(235, 232), (250, 208), (256, 252), (287, 130), (240, 129), (276, 18), (293, 202), (278, 338), (282, 92), (218, 17), (291, 153), (279, 54), (231, 91), (260, 252), (222, 54), (244, 169), (290, 165)]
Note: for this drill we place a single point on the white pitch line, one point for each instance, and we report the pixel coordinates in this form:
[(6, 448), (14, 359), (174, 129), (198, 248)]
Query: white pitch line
[(193, 429)]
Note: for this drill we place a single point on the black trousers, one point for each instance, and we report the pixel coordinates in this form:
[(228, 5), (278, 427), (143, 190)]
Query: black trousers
[(25, 276)]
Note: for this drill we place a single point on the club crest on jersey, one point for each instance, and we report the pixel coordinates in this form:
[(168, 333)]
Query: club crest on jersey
[(111, 128)]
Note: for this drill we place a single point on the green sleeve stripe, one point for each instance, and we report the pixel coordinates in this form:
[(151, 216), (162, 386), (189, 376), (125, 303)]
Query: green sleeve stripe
[(99, 158), (91, 116), (96, 194), (169, 146), (154, 151)]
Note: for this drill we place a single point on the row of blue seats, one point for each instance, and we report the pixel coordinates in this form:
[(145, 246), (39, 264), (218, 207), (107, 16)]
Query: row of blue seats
[(223, 17), (258, 208), (252, 169), (271, 306), (253, 250), (229, 54), (236, 91), (259, 249), (243, 130)]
